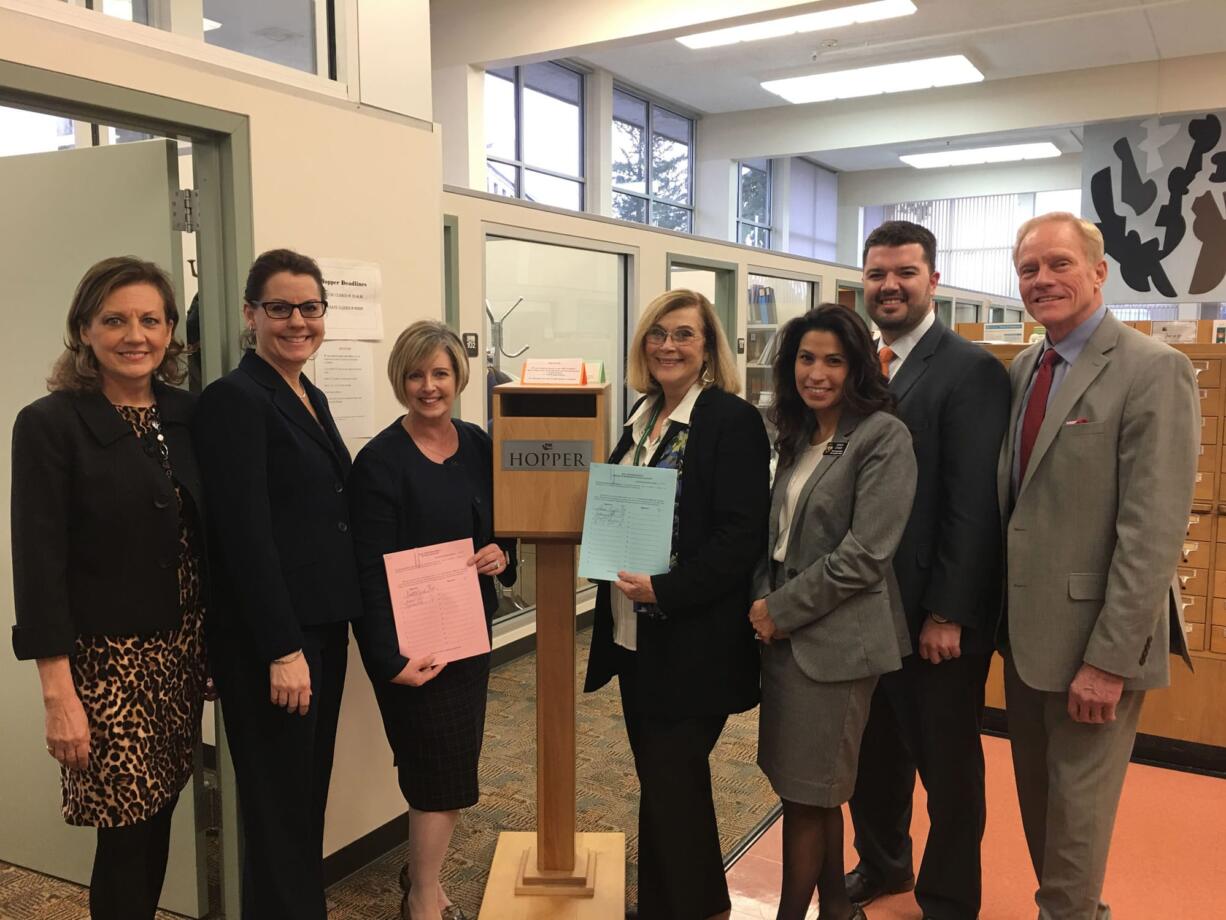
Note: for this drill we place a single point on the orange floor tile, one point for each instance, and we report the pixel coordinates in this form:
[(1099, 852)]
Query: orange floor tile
[(1168, 858)]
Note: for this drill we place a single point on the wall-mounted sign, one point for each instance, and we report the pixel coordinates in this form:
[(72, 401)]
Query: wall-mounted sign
[(1157, 190)]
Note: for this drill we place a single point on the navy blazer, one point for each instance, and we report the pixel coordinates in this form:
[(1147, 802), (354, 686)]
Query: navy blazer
[(279, 538), (701, 659), (95, 524), (953, 396)]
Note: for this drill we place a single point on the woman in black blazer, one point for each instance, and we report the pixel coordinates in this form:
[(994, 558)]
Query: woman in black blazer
[(107, 567), (679, 644), (285, 583), (425, 479)]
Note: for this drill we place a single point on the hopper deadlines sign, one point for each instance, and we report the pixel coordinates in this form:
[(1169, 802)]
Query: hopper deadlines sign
[(1156, 189), (547, 456)]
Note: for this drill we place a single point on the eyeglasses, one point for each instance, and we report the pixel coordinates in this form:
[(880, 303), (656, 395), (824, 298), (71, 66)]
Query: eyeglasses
[(281, 309), (681, 337)]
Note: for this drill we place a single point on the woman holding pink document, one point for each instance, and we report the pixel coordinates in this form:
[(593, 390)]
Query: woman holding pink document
[(426, 480)]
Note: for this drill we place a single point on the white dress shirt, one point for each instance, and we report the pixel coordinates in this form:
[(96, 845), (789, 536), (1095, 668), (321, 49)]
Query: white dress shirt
[(903, 345), (625, 620), (806, 463)]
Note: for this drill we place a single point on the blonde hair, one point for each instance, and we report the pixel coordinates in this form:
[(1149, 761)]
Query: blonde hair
[(719, 367), (1091, 236), (417, 345)]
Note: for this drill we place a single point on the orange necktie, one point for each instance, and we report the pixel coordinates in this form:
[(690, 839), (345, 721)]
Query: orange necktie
[(885, 356)]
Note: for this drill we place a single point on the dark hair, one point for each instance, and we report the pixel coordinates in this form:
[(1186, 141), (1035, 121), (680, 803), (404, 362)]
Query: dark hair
[(864, 392), (76, 370), (268, 264), (900, 233)]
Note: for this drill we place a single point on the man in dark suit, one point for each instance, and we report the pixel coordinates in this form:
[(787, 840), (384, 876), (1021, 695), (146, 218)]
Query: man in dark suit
[(954, 398)]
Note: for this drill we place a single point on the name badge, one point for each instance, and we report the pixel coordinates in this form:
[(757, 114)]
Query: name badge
[(835, 449)]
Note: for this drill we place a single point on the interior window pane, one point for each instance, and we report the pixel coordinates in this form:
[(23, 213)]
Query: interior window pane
[(755, 194), (500, 178), (561, 193), (672, 126), (628, 207), (281, 32), (24, 132), (629, 156), (670, 169), (669, 217), (499, 116), (552, 123)]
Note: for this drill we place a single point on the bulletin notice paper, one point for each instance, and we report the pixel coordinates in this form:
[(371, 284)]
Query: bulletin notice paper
[(436, 602), (628, 521), (345, 371), (355, 299)]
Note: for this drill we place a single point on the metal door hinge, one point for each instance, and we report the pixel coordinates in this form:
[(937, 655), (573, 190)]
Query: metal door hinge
[(183, 210)]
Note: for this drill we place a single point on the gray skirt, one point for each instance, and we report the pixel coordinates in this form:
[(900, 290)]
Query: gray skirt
[(809, 731)]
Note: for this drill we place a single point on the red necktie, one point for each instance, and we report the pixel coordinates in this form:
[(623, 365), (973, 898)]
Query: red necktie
[(1036, 408), (885, 356)]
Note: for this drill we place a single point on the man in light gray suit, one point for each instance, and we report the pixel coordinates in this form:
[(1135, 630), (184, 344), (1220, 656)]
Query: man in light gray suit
[(1095, 482)]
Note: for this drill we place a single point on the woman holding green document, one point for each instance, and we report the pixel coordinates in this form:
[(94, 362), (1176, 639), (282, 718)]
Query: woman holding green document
[(678, 642)]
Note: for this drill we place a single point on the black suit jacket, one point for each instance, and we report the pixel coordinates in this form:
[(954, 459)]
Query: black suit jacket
[(702, 659), (279, 539), (953, 396), (95, 524)]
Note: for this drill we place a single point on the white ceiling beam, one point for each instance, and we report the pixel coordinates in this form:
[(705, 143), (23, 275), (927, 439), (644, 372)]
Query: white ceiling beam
[(1048, 100), (495, 31)]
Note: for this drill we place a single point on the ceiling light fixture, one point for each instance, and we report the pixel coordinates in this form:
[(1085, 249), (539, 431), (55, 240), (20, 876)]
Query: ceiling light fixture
[(1005, 154), (809, 22), (872, 81)]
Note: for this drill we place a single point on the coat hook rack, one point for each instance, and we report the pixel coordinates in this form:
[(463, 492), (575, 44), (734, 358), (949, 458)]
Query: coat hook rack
[(497, 349)]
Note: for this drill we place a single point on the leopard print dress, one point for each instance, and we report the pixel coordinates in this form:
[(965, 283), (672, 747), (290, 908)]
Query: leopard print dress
[(143, 695)]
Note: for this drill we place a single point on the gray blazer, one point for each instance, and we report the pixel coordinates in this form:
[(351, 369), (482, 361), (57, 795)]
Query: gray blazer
[(1093, 536), (835, 593)]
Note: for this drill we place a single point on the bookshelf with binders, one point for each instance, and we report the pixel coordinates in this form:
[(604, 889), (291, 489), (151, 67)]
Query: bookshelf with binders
[(770, 302)]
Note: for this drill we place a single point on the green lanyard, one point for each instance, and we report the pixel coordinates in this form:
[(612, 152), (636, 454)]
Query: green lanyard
[(651, 423)]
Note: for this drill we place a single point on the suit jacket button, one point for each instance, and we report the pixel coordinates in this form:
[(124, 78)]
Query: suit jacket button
[(160, 504), (342, 527), (340, 487)]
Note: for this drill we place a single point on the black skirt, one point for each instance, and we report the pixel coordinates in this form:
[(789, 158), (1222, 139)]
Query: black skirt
[(435, 733)]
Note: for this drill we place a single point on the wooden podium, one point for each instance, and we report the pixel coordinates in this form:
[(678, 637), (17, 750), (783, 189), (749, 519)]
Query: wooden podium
[(545, 438)]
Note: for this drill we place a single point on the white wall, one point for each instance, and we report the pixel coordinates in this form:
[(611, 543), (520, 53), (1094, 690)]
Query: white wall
[(861, 189), (330, 178)]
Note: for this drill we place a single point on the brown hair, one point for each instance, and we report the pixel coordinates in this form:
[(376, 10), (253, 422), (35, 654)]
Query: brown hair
[(719, 367), (865, 390), (270, 263), (76, 370)]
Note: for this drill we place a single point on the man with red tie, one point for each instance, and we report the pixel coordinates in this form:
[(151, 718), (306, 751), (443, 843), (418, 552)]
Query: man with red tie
[(1095, 482)]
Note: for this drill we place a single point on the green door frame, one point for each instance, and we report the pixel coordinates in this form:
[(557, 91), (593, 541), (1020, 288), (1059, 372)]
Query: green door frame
[(225, 246), (726, 286)]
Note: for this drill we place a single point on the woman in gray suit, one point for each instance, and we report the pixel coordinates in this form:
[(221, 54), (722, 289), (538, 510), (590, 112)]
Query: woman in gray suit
[(828, 611)]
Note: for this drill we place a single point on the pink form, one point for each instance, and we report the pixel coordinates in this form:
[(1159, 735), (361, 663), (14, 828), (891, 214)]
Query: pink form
[(436, 601)]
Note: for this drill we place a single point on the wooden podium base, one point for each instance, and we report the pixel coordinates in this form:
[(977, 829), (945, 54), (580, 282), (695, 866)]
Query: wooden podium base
[(595, 890)]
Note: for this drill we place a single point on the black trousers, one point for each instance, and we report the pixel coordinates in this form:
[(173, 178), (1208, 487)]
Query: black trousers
[(925, 718), (130, 867), (283, 764), (681, 864)]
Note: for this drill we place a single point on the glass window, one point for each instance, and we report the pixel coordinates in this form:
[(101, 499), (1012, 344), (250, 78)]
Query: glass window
[(534, 134), (24, 132), (771, 302), (652, 182), (754, 203)]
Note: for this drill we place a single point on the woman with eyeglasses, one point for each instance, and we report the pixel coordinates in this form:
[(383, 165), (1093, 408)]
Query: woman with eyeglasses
[(285, 583), (678, 642), (108, 562)]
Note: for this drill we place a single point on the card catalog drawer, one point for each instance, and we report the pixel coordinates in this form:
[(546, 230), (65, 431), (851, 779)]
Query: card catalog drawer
[(1217, 640), (1211, 401), (1194, 608), (1208, 429), (1195, 634), (1195, 581), (1195, 554), (1200, 526), (1208, 372)]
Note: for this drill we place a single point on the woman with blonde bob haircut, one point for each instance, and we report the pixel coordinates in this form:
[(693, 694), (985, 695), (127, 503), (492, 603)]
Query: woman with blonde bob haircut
[(678, 642), (427, 478)]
